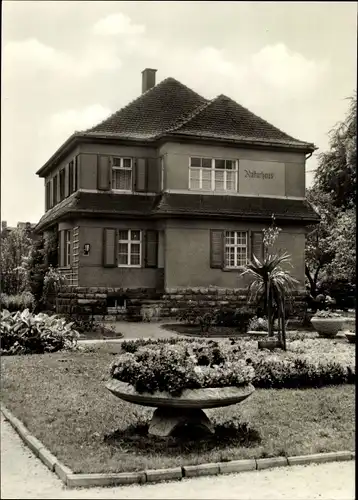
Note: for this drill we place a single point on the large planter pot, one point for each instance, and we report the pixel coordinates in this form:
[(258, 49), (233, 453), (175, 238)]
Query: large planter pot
[(327, 327), (186, 409), (350, 324)]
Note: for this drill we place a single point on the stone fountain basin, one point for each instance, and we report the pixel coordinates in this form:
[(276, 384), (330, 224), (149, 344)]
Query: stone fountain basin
[(189, 399)]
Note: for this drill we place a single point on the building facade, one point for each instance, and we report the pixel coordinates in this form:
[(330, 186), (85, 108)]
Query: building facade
[(168, 197)]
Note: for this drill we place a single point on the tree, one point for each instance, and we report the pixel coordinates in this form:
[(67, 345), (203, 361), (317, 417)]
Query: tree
[(330, 245), (318, 253), (336, 173), (14, 252)]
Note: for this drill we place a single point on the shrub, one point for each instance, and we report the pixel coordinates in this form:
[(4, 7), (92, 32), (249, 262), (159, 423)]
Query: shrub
[(26, 333), (258, 324), (169, 364), (20, 302), (231, 317), (223, 316)]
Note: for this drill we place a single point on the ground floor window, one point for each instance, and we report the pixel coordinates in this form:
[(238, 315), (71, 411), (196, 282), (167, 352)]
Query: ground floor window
[(129, 248), (236, 250)]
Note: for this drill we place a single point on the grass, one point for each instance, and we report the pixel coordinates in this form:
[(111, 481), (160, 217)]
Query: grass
[(62, 400), (224, 331)]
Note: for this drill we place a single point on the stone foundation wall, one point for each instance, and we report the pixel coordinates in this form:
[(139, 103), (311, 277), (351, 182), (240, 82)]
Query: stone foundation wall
[(151, 303), (209, 298), (81, 301)]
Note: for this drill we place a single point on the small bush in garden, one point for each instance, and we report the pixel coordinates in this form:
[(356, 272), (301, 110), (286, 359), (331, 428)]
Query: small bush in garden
[(195, 315), (26, 333), (258, 325), (231, 317), (223, 316), (20, 302)]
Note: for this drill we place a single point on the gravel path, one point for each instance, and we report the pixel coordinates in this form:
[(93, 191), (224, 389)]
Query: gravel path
[(24, 476)]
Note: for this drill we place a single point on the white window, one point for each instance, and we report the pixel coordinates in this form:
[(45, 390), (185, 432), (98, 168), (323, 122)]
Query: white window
[(235, 248), (122, 174), (209, 174), (129, 248), (68, 248)]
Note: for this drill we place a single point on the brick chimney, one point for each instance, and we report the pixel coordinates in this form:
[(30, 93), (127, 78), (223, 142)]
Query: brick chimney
[(148, 79)]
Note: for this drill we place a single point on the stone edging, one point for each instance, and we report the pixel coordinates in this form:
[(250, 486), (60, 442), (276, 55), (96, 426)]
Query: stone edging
[(153, 476)]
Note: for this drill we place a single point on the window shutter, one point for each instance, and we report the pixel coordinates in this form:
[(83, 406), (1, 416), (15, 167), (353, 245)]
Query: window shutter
[(76, 169), (67, 182), (58, 188), (54, 190), (109, 247), (62, 248), (151, 248), (153, 174), (50, 197), (216, 249), (103, 173), (257, 244), (47, 198), (140, 175)]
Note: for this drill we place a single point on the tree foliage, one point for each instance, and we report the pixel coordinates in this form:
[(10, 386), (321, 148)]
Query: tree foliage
[(15, 250), (330, 245), (336, 173)]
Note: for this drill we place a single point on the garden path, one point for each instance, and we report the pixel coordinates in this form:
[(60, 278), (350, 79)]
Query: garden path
[(24, 476)]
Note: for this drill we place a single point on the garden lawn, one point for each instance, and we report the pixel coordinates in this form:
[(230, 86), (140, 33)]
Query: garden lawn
[(63, 401), (228, 331)]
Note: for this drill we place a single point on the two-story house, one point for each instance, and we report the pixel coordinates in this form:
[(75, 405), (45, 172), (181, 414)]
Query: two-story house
[(171, 193)]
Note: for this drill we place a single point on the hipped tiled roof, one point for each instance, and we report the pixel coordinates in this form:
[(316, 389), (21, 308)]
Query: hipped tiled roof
[(171, 108), (178, 205)]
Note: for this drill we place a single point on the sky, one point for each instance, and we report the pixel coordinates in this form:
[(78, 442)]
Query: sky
[(67, 65)]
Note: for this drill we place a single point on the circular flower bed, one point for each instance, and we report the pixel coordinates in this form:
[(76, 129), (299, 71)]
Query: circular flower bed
[(172, 365)]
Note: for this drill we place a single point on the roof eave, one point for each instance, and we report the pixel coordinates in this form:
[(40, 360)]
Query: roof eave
[(80, 137), (303, 147)]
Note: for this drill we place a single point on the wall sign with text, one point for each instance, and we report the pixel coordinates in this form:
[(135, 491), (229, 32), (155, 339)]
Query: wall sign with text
[(261, 177)]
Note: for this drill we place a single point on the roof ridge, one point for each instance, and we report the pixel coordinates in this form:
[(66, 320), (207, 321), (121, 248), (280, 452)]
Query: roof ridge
[(127, 105), (195, 113), (166, 80), (262, 119), (190, 116)]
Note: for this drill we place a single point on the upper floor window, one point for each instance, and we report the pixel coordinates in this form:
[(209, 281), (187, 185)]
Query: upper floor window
[(211, 174), (122, 171), (236, 248), (129, 248)]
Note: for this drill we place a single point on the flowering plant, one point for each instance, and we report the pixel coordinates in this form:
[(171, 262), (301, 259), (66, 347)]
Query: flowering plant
[(186, 365), (327, 314), (176, 364)]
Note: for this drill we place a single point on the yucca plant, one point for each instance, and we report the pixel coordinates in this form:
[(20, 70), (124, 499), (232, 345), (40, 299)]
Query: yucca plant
[(270, 282)]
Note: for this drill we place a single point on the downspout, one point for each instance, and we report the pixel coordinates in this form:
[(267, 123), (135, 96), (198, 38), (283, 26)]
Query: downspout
[(309, 156)]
